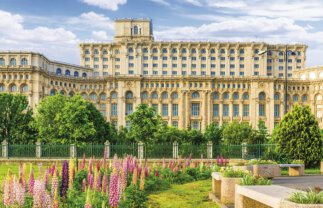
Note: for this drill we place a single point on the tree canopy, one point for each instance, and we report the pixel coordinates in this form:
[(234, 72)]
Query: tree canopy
[(298, 135), (236, 133)]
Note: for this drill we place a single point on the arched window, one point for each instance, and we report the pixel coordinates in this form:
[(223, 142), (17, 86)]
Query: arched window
[(174, 50), (87, 52), (52, 92), (84, 96), (261, 96), (2, 88), (287, 97), (25, 88), (70, 94), (304, 98), (193, 50), (165, 95), (102, 96), (2, 62), (241, 51), (203, 51), (13, 62), (76, 74), (14, 88), (154, 96), (295, 98), (93, 96), (276, 97), (129, 95), (232, 51), (215, 96), (246, 96), (145, 50), (24, 62), (235, 96), (84, 74), (174, 95), (135, 30), (58, 71), (195, 95), (96, 52), (222, 51), (62, 93), (105, 52), (144, 95), (116, 52), (225, 96), (212, 51), (164, 50), (114, 95), (184, 50), (67, 72), (155, 50), (130, 50), (319, 97)]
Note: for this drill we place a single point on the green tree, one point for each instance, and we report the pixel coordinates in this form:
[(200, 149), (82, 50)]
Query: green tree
[(260, 135), (144, 123), (236, 133), (213, 133), (15, 119), (298, 135)]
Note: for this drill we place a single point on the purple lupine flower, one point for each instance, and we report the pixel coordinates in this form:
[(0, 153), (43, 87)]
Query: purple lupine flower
[(91, 182), (124, 174), (218, 160), (98, 181), (53, 170), (221, 161), (190, 157), (73, 172), (83, 163), (31, 182), (104, 183), (113, 189), (146, 172), (90, 165), (46, 178), (156, 173), (196, 163), (64, 184)]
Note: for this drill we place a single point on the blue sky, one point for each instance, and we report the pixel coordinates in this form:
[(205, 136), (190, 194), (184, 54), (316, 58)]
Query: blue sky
[(55, 27)]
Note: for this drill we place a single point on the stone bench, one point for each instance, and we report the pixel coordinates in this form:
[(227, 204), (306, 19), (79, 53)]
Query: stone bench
[(224, 188), (294, 169), (272, 196)]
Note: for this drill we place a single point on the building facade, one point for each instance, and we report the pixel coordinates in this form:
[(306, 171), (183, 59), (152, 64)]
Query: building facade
[(189, 83)]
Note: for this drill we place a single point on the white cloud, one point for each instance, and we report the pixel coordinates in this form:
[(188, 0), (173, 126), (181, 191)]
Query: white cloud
[(49, 41), (91, 20), (106, 4), (163, 2), (194, 2), (101, 36)]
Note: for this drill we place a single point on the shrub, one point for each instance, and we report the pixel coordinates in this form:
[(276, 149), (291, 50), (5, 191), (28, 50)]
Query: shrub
[(249, 180), (310, 197), (297, 162), (230, 173), (135, 198), (260, 162)]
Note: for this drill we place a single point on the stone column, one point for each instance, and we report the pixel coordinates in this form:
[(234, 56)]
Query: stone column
[(38, 149), (210, 150), (175, 150), (244, 150), (73, 153), (140, 150), (107, 148), (5, 149)]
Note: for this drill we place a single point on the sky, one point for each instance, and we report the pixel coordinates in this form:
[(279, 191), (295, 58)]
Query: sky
[(55, 27)]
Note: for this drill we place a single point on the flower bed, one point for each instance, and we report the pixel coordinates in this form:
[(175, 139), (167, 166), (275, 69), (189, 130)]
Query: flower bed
[(123, 183)]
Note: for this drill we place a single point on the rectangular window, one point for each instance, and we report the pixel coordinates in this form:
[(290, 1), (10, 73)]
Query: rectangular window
[(276, 110), (156, 107), (246, 110), (261, 110), (280, 67), (268, 60), (281, 60), (155, 72), (241, 58), (203, 73), (256, 58), (225, 109), (87, 59), (290, 60), (241, 66), (213, 66), (174, 72), (102, 112), (96, 74), (175, 109), (114, 109), (256, 66), (174, 65), (164, 65), (164, 72), (183, 72), (145, 72), (215, 109), (145, 57), (213, 58), (195, 109), (105, 59), (241, 73), (222, 58), (130, 72), (235, 110), (184, 65), (281, 75), (105, 66), (195, 125), (164, 58), (96, 59), (289, 67), (212, 73), (232, 73), (145, 65), (193, 65), (193, 58), (155, 57), (193, 72), (96, 66), (128, 109), (128, 124), (222, 65), (130, 57), (165, 109), (203, 65), (232, 66), (299, 60), (203, 58), (184, 58), (256, 73), (175, 124), (268, 67), (117, 59), (155, 65), (231, 58), (222, 73)]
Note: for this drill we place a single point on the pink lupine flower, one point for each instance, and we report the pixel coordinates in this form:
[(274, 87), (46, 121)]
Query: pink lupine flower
[(98, 181), (90, 165), (221, 161), (104, 183), (55, 201), (83, 185), (54, 187), (156, 173), (113, 189), (73, 174), (195, 163), (31, 182), (83, 163), (46, 178), (169, 164), (190, 157), (124, 174), (7, 192), (21, 170), (146, 172), (98, 165), (41, 197), (19, 193)]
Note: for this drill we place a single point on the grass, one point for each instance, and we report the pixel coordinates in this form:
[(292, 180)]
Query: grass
[(191, 195), (310, 171)]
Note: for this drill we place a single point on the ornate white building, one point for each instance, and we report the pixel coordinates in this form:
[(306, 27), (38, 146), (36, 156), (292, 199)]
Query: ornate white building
[(189, 83)]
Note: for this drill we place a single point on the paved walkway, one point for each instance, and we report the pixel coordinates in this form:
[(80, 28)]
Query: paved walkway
[(301, 182)]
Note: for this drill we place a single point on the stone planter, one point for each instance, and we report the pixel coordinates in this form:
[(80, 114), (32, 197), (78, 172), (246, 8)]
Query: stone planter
[(266, 170), (299, 171), (228, 189), (322, 167), (244, 168), (288, 204)]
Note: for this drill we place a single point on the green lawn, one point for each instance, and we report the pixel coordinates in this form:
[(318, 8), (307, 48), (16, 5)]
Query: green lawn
[(191, 195), (307, 171)]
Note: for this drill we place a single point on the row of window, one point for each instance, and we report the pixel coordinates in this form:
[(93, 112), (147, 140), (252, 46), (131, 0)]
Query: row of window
[(68, 73), (13, 62), (14, 76), (14, 88), (183, 51)]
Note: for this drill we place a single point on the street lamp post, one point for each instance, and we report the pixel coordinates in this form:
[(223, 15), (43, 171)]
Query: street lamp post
[(286, 51)]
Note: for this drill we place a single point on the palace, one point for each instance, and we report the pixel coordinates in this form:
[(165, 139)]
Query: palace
[(189, 83)]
